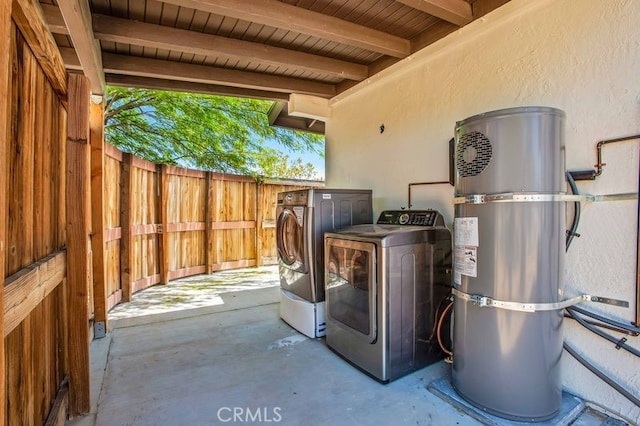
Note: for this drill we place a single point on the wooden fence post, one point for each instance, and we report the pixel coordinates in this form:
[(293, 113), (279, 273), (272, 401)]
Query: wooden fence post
[(126, 224), (5, 40), (164, 250), (97, 219), (208, 218), (259, 218), (78, 211)]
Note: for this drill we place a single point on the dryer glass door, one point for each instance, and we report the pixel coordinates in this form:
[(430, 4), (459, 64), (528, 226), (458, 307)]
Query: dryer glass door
[(290, 238), (351, 285)]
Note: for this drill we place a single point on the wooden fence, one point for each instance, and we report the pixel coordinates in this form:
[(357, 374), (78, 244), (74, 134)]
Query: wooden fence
[(163, 223), (83, 226), (35, 105)]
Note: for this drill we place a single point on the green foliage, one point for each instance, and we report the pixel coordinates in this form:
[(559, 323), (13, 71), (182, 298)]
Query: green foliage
[(207, 132), (279, 165)]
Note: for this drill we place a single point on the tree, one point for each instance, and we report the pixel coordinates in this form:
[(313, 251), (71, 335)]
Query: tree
[(207, 132), (281, 166)]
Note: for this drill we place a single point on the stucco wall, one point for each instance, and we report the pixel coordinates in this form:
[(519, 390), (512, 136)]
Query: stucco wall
[(582, 56)]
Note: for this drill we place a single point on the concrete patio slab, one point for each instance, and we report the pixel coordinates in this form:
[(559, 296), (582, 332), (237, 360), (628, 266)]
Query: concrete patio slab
[(247, 365), (235, 361)]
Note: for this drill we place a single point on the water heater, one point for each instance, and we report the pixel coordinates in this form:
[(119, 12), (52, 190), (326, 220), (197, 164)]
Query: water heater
[(509, 242)]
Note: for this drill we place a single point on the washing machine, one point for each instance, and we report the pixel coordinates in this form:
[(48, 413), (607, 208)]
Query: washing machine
[(302, 218), (383, 285)]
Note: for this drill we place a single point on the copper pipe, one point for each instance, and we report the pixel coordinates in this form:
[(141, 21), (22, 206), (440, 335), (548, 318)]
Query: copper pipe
[(441, 182), (599, 165), (439, 328)]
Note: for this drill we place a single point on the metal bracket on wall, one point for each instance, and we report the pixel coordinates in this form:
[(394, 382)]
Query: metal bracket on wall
[(514, 197)]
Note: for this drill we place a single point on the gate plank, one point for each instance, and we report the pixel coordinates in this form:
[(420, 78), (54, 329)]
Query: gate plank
[(5, 40)]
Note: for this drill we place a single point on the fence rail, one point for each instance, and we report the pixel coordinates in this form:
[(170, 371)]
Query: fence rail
[(163, 223)]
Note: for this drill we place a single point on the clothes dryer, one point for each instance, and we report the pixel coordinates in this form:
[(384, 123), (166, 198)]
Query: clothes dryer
[(302, 218), (384, 283)]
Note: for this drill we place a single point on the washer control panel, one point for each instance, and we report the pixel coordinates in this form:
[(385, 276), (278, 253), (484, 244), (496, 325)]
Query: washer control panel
[(293, 198), (411, 217)]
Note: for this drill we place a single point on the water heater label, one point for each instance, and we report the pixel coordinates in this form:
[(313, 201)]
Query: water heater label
[(466, 248), (466, 231), (466, 262)]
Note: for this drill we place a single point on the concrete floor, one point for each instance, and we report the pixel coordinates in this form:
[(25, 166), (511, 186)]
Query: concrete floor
[(236, 361)]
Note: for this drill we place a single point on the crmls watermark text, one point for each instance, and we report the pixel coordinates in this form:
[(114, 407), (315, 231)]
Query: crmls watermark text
[(249, 415)]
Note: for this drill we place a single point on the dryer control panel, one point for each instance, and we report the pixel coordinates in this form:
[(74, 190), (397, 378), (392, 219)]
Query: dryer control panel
[(411, 217)]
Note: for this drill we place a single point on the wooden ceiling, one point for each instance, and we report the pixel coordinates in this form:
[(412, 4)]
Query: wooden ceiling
[(264, 49)]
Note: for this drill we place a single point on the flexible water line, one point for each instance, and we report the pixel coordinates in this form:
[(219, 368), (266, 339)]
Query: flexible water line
[(620, 343), (635, 331), (576, 213), (635, 400)]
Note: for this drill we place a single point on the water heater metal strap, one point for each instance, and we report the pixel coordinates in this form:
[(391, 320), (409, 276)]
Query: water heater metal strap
[(484, 301), (507, 197)]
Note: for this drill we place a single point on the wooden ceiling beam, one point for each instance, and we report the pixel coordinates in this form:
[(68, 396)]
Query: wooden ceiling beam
[(54, 19), (307, 106), (482, 7), (71, 61), (169, 70), (457, 12), (434, 33), (431, 35), (28, 18), (126, 31), (276, 14), (77, 18), (187, 86)]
